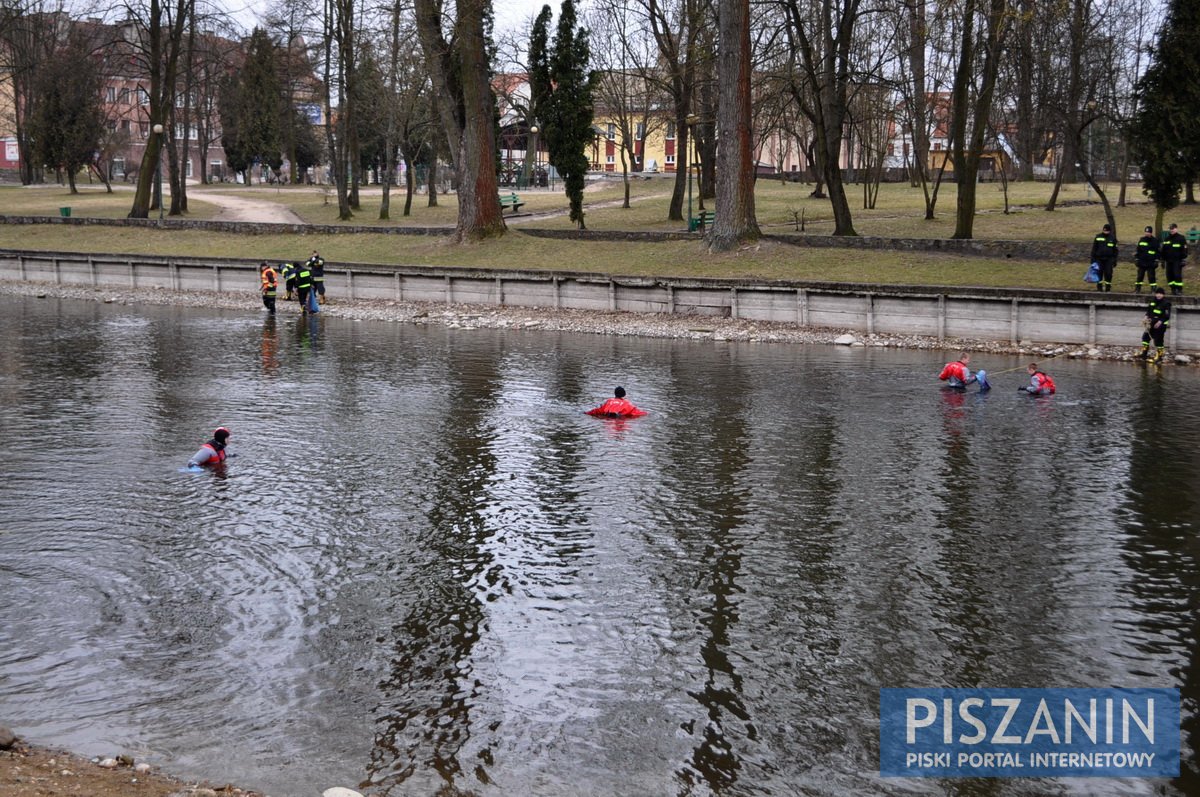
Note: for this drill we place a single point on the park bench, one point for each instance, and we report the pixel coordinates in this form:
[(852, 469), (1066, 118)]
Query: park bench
[(1193, 237), (510, 201), (702, 221)]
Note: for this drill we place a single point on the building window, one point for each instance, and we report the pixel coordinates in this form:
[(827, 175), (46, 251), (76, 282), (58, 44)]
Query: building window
[(937, 147), (123, 97), (612, 132), (118, 169), (125, 125), (216, 170), (189, 168), (892, 150), (110, 94), (639, 132), (610, 159), (670, 160), (670, 133)]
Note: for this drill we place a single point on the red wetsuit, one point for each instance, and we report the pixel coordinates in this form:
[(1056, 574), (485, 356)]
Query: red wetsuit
[(616, 408)]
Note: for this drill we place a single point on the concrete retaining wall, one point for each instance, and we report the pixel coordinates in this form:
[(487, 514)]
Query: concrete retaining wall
[(976, 313)]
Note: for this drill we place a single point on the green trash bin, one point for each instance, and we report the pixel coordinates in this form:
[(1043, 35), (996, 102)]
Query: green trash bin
[(64, 212)]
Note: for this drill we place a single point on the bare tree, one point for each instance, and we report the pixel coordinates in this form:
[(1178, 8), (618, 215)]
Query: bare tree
[(156, 34), (985, 25), (821, 38)]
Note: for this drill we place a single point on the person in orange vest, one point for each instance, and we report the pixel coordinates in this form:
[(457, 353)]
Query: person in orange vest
[(1039, 383), (213, 452), (617, 407), (270, 284)]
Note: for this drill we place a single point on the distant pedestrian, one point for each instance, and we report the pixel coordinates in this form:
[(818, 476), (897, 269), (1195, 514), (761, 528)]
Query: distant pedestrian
[(1174, 255), (316, 264), (1104, 253), (270, 283), (1040, 384), (1146, 258), (1158, 319)]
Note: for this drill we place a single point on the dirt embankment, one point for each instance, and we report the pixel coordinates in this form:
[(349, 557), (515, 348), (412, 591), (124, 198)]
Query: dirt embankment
[(27, 771)]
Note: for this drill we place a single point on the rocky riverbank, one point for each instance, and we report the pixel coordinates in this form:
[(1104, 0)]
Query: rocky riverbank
[(581, 321), (29, 771)]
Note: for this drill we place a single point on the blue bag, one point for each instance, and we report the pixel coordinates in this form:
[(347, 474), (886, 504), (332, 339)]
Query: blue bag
[(315, 307), (1093, 273)]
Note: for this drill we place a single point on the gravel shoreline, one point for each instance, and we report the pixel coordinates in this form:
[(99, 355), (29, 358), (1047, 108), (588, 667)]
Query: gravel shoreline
[(465, 316)]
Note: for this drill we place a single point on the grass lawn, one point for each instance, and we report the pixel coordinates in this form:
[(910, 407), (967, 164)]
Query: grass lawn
[(92, 201), (770, 260), (899, 213)]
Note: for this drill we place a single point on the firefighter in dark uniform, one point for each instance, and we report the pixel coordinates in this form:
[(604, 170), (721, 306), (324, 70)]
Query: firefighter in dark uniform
[(1158, 319), (1174, 255), (287, 273), (304, 284), (316, 264), (1104, 252), (1146, 259), (270, 284)]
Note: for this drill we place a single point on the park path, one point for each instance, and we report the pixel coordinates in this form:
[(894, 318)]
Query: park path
[(247, 207), (241, 208)]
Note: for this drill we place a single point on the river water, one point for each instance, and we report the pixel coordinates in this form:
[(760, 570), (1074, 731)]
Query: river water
[(425, 564)]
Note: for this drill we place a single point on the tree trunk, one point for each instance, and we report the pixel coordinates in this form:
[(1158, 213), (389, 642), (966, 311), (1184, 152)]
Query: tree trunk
[(968, 154), (431, 181), (410, 183), (735, 222), (460, 76)]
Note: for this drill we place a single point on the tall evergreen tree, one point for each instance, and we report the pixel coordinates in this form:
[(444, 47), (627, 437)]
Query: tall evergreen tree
[(567, 107), (253, 109), (67, 124), (1164, 139)]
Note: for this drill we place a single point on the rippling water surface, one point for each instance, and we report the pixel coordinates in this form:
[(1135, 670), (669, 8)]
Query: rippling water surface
[(425, 565)]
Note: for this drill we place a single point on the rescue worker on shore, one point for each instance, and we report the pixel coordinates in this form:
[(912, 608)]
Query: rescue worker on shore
[(1146, 258), (1174, 255), (304, 284), (212, 452), (1158, 319), (617, 407), (957, 375), (287, 272), (1104, 253), (316, 265), (1040, 384), (270, 284)]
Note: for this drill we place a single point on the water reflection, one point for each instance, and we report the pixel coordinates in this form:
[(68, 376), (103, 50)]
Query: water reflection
[(427, 567)]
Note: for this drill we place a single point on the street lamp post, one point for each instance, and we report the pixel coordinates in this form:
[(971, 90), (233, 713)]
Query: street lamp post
[(537, 147), (687, 155), (158, 131)]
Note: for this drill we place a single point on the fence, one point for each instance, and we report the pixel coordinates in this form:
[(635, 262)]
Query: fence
[(975, 313)]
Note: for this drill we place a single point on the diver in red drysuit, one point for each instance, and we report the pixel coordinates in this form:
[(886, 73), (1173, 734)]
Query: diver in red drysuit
[(618, 407)]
